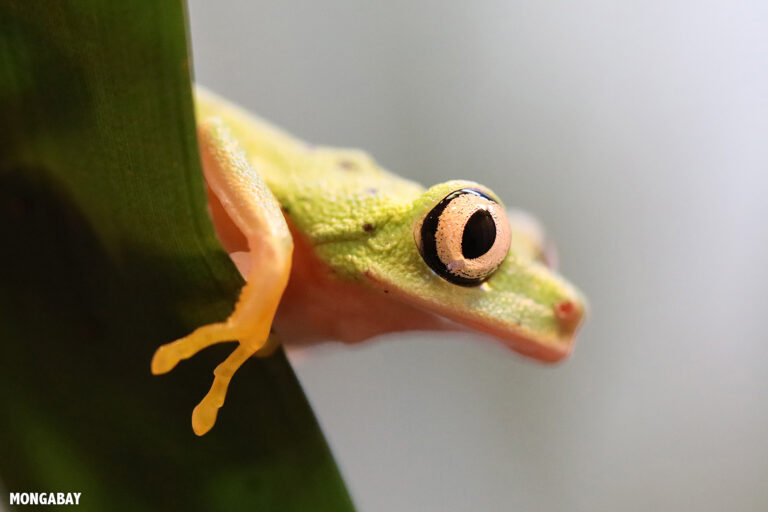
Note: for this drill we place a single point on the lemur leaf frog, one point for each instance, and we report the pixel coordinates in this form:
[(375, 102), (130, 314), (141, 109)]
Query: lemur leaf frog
[(333, 246)]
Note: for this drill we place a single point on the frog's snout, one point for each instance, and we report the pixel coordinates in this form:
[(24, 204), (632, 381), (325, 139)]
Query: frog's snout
[(568, 314)]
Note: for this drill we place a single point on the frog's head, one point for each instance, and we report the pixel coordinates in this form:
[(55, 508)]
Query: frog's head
[(454, 252)]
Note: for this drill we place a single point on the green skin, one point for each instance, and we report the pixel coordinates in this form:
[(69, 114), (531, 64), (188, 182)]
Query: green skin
[(359, 219)]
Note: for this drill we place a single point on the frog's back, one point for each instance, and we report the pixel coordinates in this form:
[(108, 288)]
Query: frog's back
[(330, 194)]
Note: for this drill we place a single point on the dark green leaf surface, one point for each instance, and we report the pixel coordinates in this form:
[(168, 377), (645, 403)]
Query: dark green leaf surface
[(106, 252)]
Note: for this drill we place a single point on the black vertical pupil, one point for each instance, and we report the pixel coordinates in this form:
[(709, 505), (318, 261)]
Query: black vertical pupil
[(479, 235)]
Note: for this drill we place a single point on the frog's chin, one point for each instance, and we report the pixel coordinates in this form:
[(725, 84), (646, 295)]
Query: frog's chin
[(527, 346)]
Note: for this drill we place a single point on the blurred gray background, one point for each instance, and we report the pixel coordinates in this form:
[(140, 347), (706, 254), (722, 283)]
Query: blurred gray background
[(638, 133)]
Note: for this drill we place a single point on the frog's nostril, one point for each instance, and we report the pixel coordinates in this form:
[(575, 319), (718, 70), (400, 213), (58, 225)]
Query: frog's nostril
[(568, 314)]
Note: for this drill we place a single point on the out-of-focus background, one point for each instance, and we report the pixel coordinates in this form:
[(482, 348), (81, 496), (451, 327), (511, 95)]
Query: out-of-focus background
[(638, 133)]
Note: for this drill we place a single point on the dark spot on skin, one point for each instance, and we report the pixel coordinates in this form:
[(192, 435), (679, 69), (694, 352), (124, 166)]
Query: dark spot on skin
[(348, 165), (367, 227), (386, 291)]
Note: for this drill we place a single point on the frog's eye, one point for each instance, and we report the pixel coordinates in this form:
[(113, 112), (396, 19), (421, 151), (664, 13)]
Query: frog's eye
[(465, 237)]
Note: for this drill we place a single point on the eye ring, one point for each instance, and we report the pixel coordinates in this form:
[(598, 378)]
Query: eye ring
[(465, 237)]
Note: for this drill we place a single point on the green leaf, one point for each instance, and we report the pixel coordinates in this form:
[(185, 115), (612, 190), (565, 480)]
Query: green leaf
[(106, 252)]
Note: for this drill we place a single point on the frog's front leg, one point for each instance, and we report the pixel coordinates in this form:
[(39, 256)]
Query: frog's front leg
[(256, 213)]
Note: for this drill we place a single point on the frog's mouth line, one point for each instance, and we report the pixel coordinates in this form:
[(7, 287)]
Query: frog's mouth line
[(547, 351)]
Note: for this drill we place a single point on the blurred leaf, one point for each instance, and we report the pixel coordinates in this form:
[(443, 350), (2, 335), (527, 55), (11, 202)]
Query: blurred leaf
[(108, 252)]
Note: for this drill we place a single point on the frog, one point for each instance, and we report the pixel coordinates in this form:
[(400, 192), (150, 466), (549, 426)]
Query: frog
[(333, 246)]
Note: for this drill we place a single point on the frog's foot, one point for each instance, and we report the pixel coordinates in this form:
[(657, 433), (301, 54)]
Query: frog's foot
[(253, 341), (248, 206), (169, 355)]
